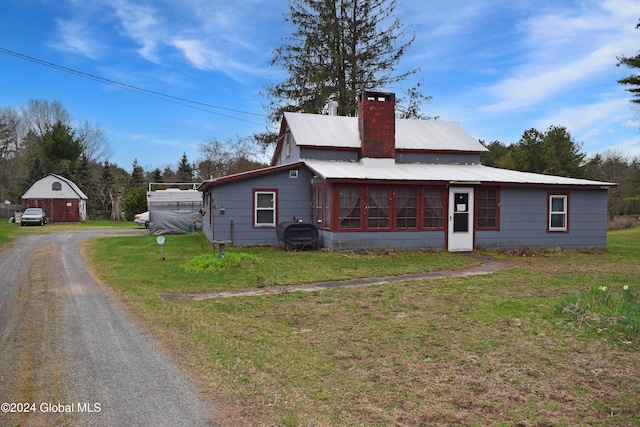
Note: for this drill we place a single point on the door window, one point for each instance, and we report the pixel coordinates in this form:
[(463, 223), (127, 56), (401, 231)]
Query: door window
[(461, 212)]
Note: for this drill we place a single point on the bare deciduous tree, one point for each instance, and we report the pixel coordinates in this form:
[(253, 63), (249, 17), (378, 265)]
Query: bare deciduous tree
[(95, 144)]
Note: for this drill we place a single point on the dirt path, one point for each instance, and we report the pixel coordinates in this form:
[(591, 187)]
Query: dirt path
[(489, 265), (70, 355)]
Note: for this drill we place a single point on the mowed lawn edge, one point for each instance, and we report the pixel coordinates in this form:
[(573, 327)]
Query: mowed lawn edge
[(482, 350)]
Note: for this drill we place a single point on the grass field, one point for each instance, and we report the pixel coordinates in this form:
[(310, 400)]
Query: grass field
[(496, 350), (7, 230)]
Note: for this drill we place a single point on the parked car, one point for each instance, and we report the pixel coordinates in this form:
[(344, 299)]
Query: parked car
[(33, 216), (142, 219)]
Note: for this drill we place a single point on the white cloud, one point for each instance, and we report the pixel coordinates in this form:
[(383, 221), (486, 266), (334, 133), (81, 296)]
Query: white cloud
[(142, 25), (75, 38), (207, 58), (562, 50), (590, 119)]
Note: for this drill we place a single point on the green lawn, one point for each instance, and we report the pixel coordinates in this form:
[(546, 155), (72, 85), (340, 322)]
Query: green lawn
[(482, 350)]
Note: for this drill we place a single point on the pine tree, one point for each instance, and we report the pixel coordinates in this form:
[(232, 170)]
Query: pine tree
[(633, 81), (137, 175), (338, 49), (185, 170)]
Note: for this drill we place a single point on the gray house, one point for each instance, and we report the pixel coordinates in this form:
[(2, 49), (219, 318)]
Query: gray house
[(374, 181)]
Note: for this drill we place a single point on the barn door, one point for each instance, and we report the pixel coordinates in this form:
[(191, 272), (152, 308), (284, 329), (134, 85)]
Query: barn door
[(460, 228)]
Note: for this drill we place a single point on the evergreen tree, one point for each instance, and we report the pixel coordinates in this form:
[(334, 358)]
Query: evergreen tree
[(156, 175), (134, 203), (83, 174), (106, 183), (137, 175), (496, 151), (338, 49), (633, 81), (553, 152), (36, 170), (185, 170), (61, 148)]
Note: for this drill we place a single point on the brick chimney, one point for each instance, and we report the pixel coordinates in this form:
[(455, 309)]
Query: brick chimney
[(377, 125)]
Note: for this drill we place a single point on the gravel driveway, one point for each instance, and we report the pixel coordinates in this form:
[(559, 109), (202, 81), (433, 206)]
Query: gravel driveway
[(71, 355)]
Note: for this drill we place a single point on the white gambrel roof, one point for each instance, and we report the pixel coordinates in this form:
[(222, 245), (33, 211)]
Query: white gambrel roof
[(42, 189), (389, 170), (317, 130)]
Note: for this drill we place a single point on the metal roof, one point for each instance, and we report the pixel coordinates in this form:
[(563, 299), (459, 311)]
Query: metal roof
[(389, 170), (318, 130)]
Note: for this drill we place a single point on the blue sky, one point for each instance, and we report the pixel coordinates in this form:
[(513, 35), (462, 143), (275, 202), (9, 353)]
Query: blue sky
[(498, 67)]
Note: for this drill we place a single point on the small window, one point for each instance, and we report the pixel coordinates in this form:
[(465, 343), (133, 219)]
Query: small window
[(264, 208), (287, 144), (558, 212), (56, 186), (293, 173)]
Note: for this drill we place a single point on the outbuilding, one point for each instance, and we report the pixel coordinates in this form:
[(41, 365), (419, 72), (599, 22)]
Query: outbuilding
[(374, 181), (61, 199)]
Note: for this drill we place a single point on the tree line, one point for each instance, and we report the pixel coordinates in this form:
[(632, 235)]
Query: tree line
[(555, 152), (41, 138), (338, 48)]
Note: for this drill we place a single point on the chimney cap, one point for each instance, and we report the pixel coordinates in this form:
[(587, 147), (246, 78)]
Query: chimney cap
[(377, 96)]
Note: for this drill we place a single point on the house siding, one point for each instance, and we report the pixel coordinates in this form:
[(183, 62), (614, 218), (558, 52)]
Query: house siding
[(236, 224), (524, 216), (523, 219), (315, 154), (383, 240), (438, 158), (294, 154)]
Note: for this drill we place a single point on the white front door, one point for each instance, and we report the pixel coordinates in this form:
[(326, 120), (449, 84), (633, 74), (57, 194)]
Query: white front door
[(460, 219)]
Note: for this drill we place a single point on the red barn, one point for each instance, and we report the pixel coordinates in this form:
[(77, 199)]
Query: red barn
[(60, 198)]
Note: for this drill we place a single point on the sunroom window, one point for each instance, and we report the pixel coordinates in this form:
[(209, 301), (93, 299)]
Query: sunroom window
[(349, 214), (378, 207), (407, 207), (487, 208), (433, 207)]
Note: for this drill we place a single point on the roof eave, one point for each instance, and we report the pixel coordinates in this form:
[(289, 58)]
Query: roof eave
[(245, 175)]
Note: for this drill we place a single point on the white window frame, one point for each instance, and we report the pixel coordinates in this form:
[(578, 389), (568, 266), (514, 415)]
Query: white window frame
[(564, 212), (257, 208), (287, 144)]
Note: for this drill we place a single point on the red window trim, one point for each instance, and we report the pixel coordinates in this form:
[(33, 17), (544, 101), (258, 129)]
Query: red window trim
[(477, 208), (335, 208), (390, 208), (445, 208), (394, 207), (253, 207)]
